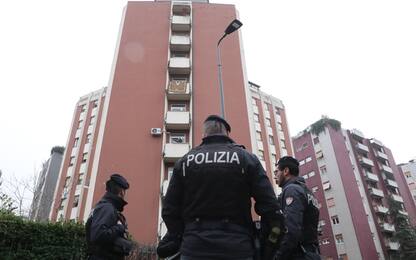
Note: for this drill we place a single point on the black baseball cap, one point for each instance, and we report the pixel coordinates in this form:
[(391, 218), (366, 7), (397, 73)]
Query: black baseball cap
[(119, 180), (219, 119)]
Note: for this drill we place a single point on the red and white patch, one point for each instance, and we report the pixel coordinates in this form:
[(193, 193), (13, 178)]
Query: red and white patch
[(289, 200)]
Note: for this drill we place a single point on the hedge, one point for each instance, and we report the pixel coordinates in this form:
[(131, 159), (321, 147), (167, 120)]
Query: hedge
[(22, 239)]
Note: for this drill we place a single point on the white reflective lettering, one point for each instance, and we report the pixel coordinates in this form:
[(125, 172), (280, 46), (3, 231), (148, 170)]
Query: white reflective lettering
[(234, 157), (190, 158), (220, 158), (199, 155)]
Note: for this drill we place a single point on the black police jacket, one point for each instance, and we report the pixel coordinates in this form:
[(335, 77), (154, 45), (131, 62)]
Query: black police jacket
[(301, 212), (209, 199), (106, 229)]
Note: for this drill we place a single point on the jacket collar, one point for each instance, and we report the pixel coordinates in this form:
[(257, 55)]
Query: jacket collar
[(217, 139), (293, 180), (115, 200)]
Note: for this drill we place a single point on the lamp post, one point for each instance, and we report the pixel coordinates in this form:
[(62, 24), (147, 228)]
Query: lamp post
[(232, 27)]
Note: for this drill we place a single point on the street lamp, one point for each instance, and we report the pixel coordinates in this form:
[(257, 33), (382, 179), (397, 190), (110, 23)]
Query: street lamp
[(232, 27)]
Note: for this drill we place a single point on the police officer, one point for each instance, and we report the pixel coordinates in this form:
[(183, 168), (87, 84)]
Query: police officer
[(106, 227), (301, 213), (208, 202)]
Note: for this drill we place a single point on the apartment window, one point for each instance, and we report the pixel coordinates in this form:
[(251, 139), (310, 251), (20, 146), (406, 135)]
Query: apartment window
[(261, 155), (407, 174), (170, 172), (308, 159), (316, 140), (277, 110), (326, 185), (305, 176), (274, 159), (330, 202), (282, 144), (253, 102), (180, 54), (271, 140), (339, 239), (177, 138), (76, 142), (322, 169), (88, 139), (258, 136), (256, 118), (84, 157), (268, 122), (80, 124), (92, 121), (61, 206), (315, 189), (311, 174), (76, 200), (67, 180), (302, 162), (80, 178), (335, 220), (279, 126), (95, 104), (83, 108), (325, 241), (72, 160), (321, 223), (178, 107)]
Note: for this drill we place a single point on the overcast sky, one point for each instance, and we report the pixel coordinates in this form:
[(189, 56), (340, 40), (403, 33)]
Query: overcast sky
[(354, 61)]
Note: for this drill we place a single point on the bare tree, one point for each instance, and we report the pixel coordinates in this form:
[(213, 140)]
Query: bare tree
[(6, 203)]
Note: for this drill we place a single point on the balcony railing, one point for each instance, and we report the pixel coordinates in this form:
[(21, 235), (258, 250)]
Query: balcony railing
[(181, 23), (388, 227), (371, 177), (366, 162), (173, 152), (381, 209), (391, 245), (180, 43), (181, 7), (381, 155), (362, 148), (391, 183), (397, 198), (376, 142), (177, 120), (386, 168), (179, 65), (178, 90), (376, 192), (357, 133)]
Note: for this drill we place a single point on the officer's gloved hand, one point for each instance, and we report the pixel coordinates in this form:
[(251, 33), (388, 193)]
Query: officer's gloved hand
[(169, 245)]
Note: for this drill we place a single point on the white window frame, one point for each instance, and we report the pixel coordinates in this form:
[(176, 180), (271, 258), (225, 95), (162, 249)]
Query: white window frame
[(177, 135)]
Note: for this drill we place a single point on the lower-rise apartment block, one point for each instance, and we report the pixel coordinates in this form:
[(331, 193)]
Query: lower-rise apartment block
[(354, 178)]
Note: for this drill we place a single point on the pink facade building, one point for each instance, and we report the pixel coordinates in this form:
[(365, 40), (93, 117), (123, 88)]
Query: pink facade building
[(353, 178), (162, 87)]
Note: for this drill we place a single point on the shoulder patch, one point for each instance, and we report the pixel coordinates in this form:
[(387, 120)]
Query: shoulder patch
[(289, 200)]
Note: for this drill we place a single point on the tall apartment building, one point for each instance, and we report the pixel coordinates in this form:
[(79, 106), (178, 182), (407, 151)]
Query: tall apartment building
[(74, 177), (353, 178), (46, 184), (162, 87), (408, 176)]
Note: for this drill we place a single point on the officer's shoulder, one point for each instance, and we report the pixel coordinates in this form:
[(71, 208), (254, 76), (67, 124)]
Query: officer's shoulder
[(293, 188)]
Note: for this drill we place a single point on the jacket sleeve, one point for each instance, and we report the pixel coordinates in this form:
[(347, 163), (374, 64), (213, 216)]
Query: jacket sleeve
[(172, 203), (104, 227), (293, 209), (261, 188)]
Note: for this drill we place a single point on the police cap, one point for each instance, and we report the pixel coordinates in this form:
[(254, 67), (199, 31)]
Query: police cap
[(219, 119), (120, 181)]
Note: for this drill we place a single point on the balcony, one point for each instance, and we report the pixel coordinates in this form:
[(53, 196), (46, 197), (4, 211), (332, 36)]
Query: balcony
[(173, 152), (181, 8), (180, 43), (386, 227), (386, 168), (357, 133), (376, 142), (371, 177), (376, 192), (179, 65), (177, 120), (392, 245), (397, 198), (404, 213), (181, 23), (381, 209), (391, 183), (178, 90), (366, 162), (381, 155), (362, 148)]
